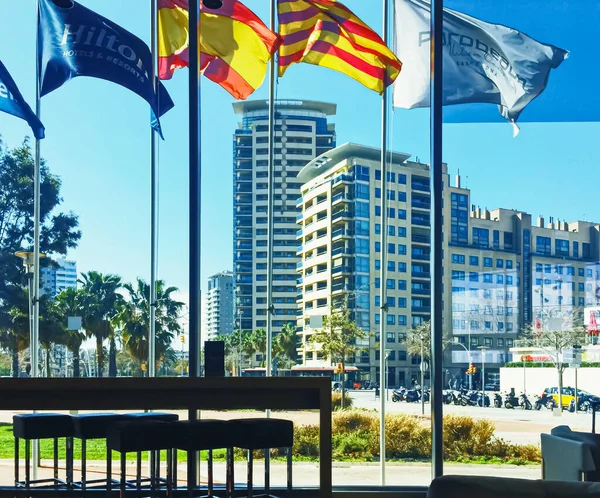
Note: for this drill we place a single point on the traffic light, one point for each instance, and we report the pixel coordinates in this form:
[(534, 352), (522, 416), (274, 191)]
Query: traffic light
[(471, 370)]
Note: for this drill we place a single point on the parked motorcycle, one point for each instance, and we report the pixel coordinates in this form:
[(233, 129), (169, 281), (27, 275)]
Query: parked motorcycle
[(510, 400), (539, 402), (524, 402), (397, 395), (447, 397), (497, 400)]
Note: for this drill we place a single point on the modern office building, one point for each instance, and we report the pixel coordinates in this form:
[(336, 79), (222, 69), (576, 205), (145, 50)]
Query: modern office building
[(501, 272), (302, 132), (219, 305), (55, 279)]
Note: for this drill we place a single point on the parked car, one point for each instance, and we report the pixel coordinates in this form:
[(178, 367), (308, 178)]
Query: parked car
[(568, 396)]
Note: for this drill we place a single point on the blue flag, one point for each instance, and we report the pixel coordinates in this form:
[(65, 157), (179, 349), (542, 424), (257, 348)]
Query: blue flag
[(12, 102), (75, 41)]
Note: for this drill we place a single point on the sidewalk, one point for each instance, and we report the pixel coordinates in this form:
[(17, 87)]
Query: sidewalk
[(305, 474)]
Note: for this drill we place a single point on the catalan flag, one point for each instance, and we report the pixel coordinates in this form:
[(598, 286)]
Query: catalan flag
[(327, 33), (235, 45)]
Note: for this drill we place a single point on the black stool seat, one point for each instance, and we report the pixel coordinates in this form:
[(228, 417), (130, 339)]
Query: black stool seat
[(95, 425), (42, 425), (260, 433), (139, 435), (158, 416), (202, 435)]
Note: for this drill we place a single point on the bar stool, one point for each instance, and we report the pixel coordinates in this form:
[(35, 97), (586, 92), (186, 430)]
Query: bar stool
[(137, 436), (92, 426), (199, 435), (264, 434), (150, 416), (43, 426)]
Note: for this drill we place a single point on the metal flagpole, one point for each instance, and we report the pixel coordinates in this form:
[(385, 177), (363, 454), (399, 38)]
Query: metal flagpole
[(270, 203), (195, 168), (34, 331), (437, 441), (270, 223), (153, 197), (383, 263)]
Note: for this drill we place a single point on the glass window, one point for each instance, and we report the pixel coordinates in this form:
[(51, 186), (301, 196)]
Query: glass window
[(458, 275), (391, 266), (377, 192), (377, 228), (509, 264), (458, 259), (391, 283), (474, 260), (401, 284), (543, 246), (391, 320), (499, 263), (401, 302), (401, 321), (474, 276), (487, 262)]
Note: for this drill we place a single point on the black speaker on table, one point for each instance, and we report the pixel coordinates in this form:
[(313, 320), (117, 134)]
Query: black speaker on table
[(214, 359)]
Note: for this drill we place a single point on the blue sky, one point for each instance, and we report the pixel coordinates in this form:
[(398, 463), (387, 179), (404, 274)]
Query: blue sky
[(98, 138)]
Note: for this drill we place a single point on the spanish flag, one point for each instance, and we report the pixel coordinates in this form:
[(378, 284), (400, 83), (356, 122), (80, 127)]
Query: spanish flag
[(327, 33), (235, 45)]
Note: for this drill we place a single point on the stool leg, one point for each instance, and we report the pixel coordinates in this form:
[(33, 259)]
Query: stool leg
[(267, 471), (152, 473), (210, 473), (250, 472), (289, 470), (55, 460), (16, 460), (108, 472), (69, 462), (83, 465), (169, 472), (138, 472), (229, 479), (157, 468), (123, 473), (174, 471), (27, 463)]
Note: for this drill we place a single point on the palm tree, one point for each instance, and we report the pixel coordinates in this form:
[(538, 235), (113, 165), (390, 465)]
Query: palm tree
[(14, 324), (101, 302), (258, 341), (134, 320), (285, 346), (70, 303)]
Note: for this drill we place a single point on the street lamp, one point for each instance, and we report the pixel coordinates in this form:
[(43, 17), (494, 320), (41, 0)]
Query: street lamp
[(483, 350), (239, 340), (422, 373), (457, 343)]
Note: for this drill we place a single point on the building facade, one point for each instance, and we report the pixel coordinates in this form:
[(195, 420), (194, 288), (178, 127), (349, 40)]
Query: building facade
[(501, 271), (219, 305), (55, 279), (302, 132)]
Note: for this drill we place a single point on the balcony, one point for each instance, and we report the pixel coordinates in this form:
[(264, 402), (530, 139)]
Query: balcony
[(420, 291), (418, 204), (343, 178), (299, 234), (299, 217), (299, 202), (420, 221), (421, 257), (244, 246), (421, 309), (342, 196), (421, 274), (342, 233), (299, 265), (342, 250), (341, 269), (421, 239), (342, 214), (342, 287)]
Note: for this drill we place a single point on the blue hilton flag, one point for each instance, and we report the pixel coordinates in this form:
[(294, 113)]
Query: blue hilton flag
[(75, 41), (12, 102)]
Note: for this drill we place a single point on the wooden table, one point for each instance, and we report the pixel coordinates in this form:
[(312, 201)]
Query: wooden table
[(176, 393)]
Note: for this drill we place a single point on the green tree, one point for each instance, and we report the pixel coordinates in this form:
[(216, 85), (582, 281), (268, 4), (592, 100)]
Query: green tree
[(285, 346), (134, 320), (337, 339), (257, 340), (101, 303), (70, 303), (561, 332), (59, 232)]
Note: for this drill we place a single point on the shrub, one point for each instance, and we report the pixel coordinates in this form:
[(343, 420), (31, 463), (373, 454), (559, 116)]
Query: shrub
[(306, 440), (336, 400), (354, 420), (465, 436)]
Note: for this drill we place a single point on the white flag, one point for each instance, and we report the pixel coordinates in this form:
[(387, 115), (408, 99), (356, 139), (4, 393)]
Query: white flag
[(483, 62)]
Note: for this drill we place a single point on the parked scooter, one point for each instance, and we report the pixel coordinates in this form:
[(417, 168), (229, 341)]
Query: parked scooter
[(510, 400), (524, 402), (397, 395), (497, 400)]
